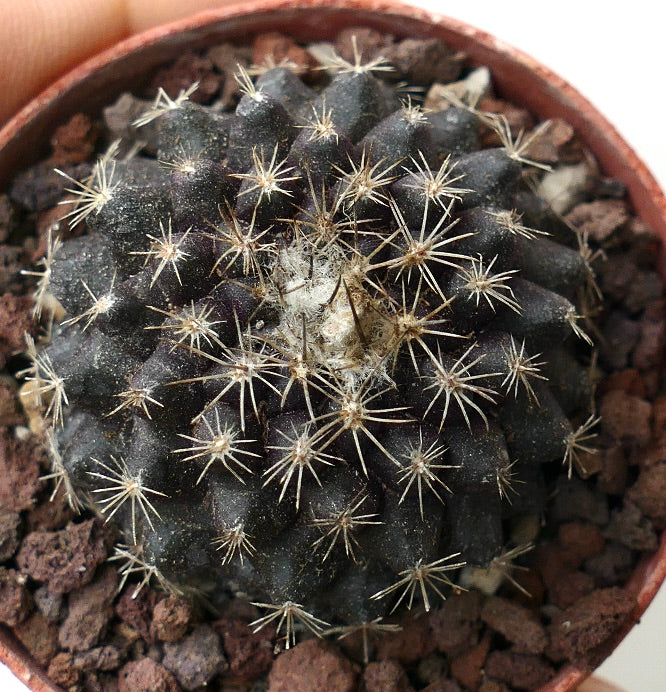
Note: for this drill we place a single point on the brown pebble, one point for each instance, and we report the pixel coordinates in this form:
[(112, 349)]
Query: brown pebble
[(52, 515), (489, 685), (39, 188), (589, 622), (649, 491), (614, 474), (19, 472), (171, 619), (136, 609), (570, 587), (517, 624), (626, 418), (196, 659), (455, 625), (554, 143), (574, 499), (520, 671), (107, 657), (249, 653), (145, 675), (579, 540), (518, 119), (369, 43), (274, 48), (10, 530), (551, 562), (188, 69), (443, 685), (15, 600), (600, 219), (15, 321), (467, 667), (89, 611), (73, 142), (312, 665), (612, 566), (10, 409), (431, 668), (39, 636), (632, 528), (423, 60), (65, 559), (620, 336), (386, 676), (409, 644), (649, 350), (62, 671), (629, 381)]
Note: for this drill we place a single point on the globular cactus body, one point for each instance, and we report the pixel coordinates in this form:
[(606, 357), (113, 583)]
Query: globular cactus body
[(309, 345)]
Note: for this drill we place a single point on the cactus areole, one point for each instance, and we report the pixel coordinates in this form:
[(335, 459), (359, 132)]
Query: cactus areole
[(325, 346)]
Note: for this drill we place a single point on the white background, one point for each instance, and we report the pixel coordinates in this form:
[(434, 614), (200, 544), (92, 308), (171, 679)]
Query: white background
[(614, 54)]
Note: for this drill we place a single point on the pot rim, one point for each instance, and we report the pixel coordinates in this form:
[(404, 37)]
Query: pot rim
[(513, 72)]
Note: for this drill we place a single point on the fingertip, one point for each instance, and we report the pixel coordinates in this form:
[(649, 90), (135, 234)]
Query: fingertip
[(41, 39)]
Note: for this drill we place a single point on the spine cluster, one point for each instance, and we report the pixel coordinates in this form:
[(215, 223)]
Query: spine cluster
[(323, 345)]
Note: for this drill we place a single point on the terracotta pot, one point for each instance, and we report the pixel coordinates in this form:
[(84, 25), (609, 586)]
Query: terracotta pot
[(516, 76)]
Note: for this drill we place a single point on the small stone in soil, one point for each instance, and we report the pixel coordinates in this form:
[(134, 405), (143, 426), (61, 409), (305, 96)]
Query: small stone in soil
[(249, 653), (106, 658), (196, 659), (188, 69), (520, 671), (15, 600), (273, 48), (626, 418), (517, 624), (62, 671), (65, 559), (649, 492), (73, 142), (600, 219), (632, 528), (408, 645), (89, 612), (649, 350), (589, 622), (136, 610), (579, 540), (386, 676), (312, 665), (466, 668), (15, 321), (443, 685), (39, 636), (145, 675), (10, 530), (171, 619), (574, 499), (455, 625), (19, 472)]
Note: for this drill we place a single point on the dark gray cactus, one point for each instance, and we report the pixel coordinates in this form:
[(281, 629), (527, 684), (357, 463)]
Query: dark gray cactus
[(318, 345)]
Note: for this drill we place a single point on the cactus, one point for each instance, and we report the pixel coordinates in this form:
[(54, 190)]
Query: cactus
[(320, 346)]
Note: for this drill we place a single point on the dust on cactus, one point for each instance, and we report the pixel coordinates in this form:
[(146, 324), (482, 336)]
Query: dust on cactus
[(324, 347)]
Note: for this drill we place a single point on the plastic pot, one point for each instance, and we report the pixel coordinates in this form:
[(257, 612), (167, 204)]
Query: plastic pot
[(517, 77)]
